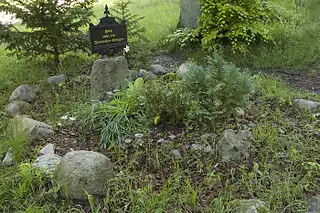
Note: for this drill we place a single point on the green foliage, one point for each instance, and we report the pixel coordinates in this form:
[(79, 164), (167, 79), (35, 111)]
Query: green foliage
[(20, 187), (166, 102), (116, 116), (219, 89), (181, 39), (122, 13), (51, 27), (236, 23)]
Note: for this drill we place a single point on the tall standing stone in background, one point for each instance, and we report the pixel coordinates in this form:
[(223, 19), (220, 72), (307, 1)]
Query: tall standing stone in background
[(108, 74), (189, 13)]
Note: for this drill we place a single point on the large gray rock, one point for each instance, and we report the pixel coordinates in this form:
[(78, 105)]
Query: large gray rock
[(234, 147), (247, 206), (314, 204), (32, 128), (57, 79), (47, 163), (18, 107), (306, 104), (81, 171), (8, 158), (25, 93), (108, 74), (189, 13)]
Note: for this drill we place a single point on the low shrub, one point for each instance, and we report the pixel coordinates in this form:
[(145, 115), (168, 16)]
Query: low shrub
[(166, 102), (218, 90)]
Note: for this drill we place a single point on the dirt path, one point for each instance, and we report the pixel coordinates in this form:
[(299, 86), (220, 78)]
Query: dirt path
[(301, 80)]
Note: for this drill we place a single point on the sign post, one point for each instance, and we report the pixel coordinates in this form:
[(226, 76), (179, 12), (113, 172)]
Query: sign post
[(108, 37)]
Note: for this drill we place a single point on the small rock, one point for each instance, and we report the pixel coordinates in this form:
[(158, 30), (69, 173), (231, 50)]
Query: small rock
[(314, 204), (176, 154), (47, 150), (34, 129), (47, 162), (128, 141), (161, 140), (8, 159), (196, 147), (234, 147), (208, 149), (18, 107), (172, 137), (25, 93), (187, 146), (158, 69), (57, 79), (183, 69), (145, 74), (138, 136), (306, 104), (247, 206)]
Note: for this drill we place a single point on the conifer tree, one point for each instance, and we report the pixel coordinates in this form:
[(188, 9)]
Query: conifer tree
[(49, 27), (122, 13)]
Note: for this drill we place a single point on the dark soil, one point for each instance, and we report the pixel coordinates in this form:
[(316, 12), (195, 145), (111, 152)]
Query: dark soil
[(306, 80)]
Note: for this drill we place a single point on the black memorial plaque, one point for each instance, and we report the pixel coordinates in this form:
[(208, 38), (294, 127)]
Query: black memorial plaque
[(108, 37)]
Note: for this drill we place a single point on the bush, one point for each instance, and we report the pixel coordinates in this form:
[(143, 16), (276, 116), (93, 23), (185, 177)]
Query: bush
[(51, 27), (218, 90), (166, 102), (239, 23)]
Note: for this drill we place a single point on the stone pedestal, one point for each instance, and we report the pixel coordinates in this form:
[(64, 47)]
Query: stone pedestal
[(108, 74)]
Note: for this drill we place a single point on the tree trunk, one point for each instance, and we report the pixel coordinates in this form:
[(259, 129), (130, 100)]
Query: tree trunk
[(56, 55)]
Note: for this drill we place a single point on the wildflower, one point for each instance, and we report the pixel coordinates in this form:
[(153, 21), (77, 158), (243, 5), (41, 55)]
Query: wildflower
[(126, 49)]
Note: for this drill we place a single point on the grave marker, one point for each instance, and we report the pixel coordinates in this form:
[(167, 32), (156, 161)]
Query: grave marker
[(108, 37)]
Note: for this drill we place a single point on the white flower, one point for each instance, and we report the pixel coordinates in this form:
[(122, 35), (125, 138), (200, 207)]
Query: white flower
[(65, 117), (72, 118), (126, 49)]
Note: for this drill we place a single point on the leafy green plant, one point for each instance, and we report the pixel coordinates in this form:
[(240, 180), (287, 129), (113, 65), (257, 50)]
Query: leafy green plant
[(236, 23), (218, 89), (166, 102), (181, 39), (117, 116), (49, 27)]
